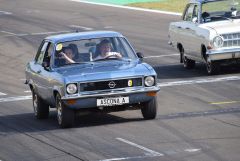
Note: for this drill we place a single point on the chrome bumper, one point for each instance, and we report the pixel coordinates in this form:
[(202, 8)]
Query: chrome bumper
[(111, 93), (224, 54)]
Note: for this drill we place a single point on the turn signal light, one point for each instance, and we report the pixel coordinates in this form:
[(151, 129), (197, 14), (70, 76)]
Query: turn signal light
[(71, 102), (151, 93)]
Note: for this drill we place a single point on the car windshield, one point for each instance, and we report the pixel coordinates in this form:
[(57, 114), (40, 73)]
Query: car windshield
[(220, 10), (93, 50)]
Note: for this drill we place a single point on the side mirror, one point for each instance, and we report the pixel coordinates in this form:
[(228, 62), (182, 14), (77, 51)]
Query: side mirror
[(46, 65), (140, 55)]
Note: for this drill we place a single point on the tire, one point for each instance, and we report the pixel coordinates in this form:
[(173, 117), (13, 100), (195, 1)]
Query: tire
[(65, 116), (41, 109), (149, 109), (188, 63), (212, 67)]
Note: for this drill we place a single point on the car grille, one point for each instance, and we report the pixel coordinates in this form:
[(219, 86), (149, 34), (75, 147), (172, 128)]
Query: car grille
[(231, 40), (110, 84)]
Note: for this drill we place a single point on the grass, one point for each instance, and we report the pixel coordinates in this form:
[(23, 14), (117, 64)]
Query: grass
[(179, 5), (165, 5)]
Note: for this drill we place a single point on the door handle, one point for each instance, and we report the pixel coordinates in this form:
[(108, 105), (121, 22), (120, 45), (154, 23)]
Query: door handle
[(39, 71), (179, 27), (187, 28)]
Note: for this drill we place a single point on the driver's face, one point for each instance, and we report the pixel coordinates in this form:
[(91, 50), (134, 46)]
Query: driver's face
[(69, 53), (105, 48)]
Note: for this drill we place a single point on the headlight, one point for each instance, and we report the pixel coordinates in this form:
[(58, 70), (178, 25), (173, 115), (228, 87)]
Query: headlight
[(149, 81), (218, 42), (72, 88)]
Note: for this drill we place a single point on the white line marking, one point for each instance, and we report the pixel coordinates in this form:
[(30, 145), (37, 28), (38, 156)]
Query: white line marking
[(10, 33), (198, 81), (27, 91), (130, 8), (108, 27), (192, 150), (19, 98), (33, 34), (154, 153), (48, 33), (159, 56), (128, 158), (2, 94), (5, 13), (22, 34), (150, 153), (81, 27)]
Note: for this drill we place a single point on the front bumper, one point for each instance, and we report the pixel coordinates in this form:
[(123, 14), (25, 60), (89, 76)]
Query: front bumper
[(224, 54), (90, 100)]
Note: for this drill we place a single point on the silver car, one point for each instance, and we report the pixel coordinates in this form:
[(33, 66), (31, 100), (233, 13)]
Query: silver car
[(209, 32)]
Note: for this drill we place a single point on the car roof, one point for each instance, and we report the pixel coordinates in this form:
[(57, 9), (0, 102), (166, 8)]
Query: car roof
[(204, 1), (82, 35)]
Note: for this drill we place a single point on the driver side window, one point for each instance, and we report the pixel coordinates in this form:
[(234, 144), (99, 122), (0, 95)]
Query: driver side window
[(40, 57), (45, 54), (191, 12)]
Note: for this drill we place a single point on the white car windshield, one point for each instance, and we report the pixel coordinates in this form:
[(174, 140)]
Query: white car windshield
[(92, 50), (220, 10)]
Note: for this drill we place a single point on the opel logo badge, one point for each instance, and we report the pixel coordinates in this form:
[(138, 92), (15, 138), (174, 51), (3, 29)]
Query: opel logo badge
[(111, 84)]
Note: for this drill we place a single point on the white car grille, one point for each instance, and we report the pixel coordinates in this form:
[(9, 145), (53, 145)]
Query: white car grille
[(231, 40)]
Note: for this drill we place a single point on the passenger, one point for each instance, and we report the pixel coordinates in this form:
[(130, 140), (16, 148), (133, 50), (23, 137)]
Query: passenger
[(68, 55), (104, 50)]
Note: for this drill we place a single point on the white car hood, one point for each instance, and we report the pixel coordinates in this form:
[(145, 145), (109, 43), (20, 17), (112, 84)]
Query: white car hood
[(222, 27)]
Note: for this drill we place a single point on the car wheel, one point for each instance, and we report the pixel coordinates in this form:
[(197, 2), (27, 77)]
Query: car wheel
[(65, 116), (212, 67), (41, 109), (149, 109), (188, 63)]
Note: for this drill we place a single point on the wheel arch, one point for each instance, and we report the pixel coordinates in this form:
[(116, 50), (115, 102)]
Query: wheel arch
[(181, 51), (31, 87), (203, 52)]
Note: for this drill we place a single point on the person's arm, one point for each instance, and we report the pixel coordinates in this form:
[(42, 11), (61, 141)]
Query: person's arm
[(67, 58), (118, 55)]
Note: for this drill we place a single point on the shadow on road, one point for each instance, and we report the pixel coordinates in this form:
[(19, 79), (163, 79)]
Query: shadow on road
[(26, 122), (178, 71)]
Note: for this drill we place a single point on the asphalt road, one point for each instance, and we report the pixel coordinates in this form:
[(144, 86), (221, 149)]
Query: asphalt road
[(198, 115)]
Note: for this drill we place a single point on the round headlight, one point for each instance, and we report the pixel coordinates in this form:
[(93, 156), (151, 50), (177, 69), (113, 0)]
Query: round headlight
[(149, 81), (71, 88), (218, 42)]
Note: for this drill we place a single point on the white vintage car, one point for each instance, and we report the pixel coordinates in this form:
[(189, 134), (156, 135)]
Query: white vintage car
[(209, 32)]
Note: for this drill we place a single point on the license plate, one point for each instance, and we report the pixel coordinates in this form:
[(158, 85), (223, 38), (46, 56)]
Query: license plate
[(112, 101)]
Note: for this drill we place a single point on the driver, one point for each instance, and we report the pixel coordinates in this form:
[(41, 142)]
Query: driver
[(68, 55), (104, 48)]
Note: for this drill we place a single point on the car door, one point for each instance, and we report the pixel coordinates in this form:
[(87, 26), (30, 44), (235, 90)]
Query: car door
[(43, 75), (189, 30)]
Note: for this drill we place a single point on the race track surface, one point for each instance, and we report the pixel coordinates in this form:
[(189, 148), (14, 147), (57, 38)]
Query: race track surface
[(198, 116)]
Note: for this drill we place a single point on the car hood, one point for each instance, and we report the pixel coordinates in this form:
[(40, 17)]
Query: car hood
[(222, 27), (104, 70)]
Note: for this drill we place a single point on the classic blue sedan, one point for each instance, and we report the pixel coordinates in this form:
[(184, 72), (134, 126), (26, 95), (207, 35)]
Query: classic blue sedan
[(90, 71)]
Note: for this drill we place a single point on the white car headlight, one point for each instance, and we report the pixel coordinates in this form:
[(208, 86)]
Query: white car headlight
[(149, 81), (218, 42), (72, 88)]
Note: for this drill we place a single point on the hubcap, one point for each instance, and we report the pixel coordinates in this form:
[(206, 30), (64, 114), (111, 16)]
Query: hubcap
[(184, 61), (209, 66)]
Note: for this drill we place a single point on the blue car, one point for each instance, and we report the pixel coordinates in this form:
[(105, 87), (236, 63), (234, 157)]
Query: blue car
[(88, 72)]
